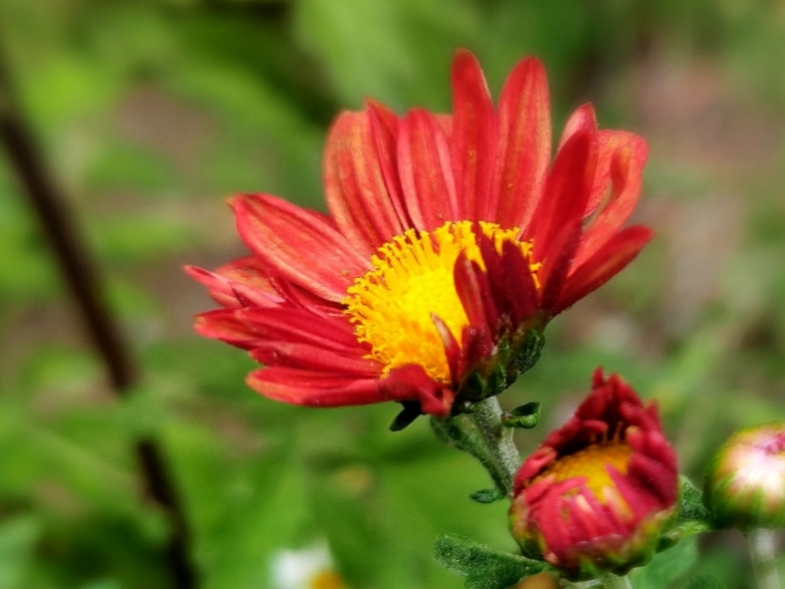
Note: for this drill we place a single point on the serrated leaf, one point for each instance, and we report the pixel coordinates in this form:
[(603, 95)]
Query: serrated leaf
[(692, 516), (483, 567)]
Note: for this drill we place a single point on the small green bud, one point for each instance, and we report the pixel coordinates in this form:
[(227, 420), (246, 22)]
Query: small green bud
[(745, 484)]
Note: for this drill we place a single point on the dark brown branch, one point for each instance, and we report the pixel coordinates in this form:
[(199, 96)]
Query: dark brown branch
[(81, 277)]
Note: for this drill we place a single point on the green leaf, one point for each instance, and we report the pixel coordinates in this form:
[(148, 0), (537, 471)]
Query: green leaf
[(701, 582), (666, 567), (692, 516), (17, 540), (483, 567)]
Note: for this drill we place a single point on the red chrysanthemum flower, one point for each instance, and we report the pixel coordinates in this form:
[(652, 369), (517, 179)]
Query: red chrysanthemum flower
[(449, 242), (596, 495)]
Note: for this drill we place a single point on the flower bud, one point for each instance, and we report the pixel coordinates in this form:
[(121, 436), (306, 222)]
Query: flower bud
[(598, 492), (745, 485)]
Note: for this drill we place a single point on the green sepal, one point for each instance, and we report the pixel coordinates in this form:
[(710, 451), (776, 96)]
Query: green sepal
[(411, 411), (483, 567), (691, 516), (487, 495), (514, 355), (527, 351), (526, 416)]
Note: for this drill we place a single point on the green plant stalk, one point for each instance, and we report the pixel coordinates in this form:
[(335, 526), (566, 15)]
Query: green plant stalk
[(498, 441), (763, 553), (611, 581)]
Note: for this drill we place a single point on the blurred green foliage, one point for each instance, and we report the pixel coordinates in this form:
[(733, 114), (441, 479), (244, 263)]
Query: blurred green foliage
[(152, 111)]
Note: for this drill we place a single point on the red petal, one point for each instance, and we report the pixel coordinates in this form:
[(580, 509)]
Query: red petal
[(452, 349), (314, 389), (557, 264), (298, 326), (298, 244), (604, 265), (583, 118), (384, 127), (245, 275), (309, 357), (220, 288), (471, 284), (494, 276), (524, 135), (519, 283), (426, 171), (354, 183), (567, 192), (299, 298), (412, 383), (620, 167), (223, 325), (474, 138)]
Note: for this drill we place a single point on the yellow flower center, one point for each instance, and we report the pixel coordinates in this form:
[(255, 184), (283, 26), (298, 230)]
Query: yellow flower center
[(392, 305), (591, 463)]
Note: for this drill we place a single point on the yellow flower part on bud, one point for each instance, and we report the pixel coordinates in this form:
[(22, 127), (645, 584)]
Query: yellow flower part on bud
[(591, 463)]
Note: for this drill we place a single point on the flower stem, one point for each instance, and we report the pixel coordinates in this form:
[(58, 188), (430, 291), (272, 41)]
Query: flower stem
[(763, 554), (611, 581), (504, 457)]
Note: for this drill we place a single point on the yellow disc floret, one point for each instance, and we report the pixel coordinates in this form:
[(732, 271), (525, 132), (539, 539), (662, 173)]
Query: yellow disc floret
[(591, 463), (392, 305)]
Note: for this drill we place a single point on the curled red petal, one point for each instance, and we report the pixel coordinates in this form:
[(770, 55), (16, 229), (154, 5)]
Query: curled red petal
[(582, 119), (617, 188), (219, 287), (604, 265), (239, 283)]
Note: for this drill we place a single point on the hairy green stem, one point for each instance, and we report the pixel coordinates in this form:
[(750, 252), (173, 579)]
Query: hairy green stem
[(763, 553), (498, 440), (611, 581)]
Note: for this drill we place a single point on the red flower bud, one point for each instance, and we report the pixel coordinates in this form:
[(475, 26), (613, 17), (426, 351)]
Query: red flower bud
[(596, 495), (745, 485)]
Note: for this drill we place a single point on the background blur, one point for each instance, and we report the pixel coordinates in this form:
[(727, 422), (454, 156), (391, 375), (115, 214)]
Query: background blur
[(150, 112)]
